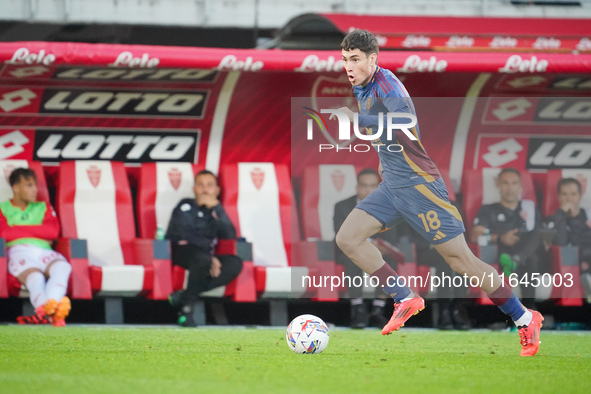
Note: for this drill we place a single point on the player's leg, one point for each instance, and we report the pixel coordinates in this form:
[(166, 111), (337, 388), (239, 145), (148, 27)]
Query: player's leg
[(372, 215), (27, 268), (231, 267), (352, 240), (461, 259), (58, 305), (34, 280)]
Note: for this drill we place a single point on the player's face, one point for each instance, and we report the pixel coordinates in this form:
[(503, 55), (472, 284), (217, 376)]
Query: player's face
[(367, 184), (358, 66), (569, 194), (206, 184), (26, 190), (510, 187)]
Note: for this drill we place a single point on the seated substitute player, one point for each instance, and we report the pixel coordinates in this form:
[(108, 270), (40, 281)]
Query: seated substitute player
[(573, 226), (514, 225), (412, 190), (29, 226), (194, 228), (367, 181)]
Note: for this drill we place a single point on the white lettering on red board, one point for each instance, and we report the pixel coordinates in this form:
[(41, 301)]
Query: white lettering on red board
[(516, 64), (314, 63), (126, 59), (414, 63), (231, 63), (23, 56)]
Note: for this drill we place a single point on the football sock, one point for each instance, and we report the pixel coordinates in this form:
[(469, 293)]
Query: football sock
[(57, 284), (35, 283), (507, 302), (389, 281), (525, 319)]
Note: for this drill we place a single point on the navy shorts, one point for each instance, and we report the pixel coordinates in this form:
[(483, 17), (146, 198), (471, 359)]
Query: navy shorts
[(425, 207)]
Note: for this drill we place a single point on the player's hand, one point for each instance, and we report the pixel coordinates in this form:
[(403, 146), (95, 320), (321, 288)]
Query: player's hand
[(510, 238), (216, 267), (584, 266), (568, 207), (207, 200), (347, 111)]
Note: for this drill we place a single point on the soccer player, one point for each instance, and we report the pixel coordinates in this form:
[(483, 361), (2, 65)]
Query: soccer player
[(411, 190), (29, 226)]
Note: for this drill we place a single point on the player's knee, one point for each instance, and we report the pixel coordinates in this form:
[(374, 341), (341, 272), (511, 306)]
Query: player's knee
[(459, 262), (60, 267), (344, 242)]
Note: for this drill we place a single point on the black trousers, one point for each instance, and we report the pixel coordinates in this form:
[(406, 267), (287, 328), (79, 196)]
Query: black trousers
[(198, 263)]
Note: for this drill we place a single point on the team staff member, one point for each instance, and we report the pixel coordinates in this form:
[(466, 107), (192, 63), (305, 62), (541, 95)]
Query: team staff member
[(194, 229)]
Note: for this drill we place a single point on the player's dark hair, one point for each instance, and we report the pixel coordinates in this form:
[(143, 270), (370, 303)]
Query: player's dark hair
[(568, 181), (206, 172), (21, 173), (367, 171), (362, 40), (509, 170)]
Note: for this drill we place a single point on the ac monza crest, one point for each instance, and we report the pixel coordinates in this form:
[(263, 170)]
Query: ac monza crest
[(258, 177), (7, 171), (338, 179), (174, 176), (94, 175)]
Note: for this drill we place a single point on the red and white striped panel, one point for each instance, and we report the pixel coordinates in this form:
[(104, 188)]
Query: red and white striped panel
[(257, 198), (162, 185), (551, 188), (94, 201), (479, 188), (323, 186), (6, 168), (282, 282)]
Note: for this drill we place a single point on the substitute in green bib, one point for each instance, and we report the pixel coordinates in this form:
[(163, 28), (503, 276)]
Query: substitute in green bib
[(29, 227)]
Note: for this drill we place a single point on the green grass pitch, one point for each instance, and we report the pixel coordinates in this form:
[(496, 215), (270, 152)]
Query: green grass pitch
[(42, 359)]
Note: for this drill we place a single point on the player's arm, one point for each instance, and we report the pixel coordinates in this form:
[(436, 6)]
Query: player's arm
[(173, 233), (394, 103), (226, 229), (560, 225), (49, 228), (480, 225)]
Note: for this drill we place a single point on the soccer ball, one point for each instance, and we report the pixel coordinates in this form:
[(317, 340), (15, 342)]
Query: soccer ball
[(307, 334)]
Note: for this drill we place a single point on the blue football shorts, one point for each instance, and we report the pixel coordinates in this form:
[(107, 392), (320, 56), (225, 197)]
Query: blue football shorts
[(425, 207)]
